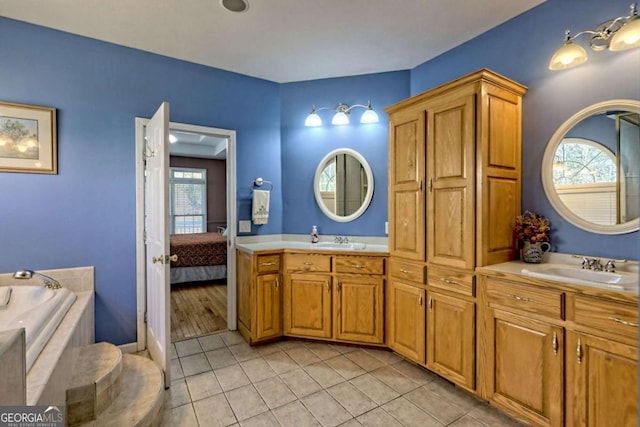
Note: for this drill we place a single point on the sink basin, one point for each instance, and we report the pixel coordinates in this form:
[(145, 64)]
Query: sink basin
[(571, 274), (339, 246)]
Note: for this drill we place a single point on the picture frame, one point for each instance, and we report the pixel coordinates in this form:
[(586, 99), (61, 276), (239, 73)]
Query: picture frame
[(28, 138)]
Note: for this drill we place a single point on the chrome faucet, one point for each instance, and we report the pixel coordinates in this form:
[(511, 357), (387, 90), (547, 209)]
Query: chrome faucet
[(341, 240), (49, 282), (610, 267), (595, 264)]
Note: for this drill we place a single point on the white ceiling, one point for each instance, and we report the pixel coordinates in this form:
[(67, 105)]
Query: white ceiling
[(279, 40)]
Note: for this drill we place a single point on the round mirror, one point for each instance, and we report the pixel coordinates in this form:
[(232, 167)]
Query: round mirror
[(343, 185), (591, 168)]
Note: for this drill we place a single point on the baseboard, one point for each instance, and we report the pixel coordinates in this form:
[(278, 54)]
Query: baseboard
[(131, 347)]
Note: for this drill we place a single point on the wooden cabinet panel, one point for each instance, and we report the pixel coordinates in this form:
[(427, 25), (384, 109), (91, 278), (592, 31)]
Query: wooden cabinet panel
[(407, 270), (612, 317), (308, 262), (358, 265), (268, 263), (406, 320), (510, 296), (526, 367), (358, 307), (406, 182), (602, 382), (451, 338), (268, 306), (307, 300), (500, 219), (460, 282), (450, 174), (244, 280)]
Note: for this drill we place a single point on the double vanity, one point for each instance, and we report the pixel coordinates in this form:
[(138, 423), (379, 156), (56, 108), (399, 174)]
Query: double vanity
[(552, 344), (549, 350)]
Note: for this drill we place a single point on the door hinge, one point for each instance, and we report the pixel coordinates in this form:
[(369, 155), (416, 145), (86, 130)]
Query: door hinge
[(145, 317)]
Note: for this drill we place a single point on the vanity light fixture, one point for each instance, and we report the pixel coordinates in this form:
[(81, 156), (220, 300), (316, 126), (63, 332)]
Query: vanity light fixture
[(341, 116), (616, 34)]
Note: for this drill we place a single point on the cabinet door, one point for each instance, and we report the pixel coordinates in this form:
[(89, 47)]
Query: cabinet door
[(450, 175), (527, 367), (602, 382), (358, 302), (451, 338), (406, 320), (244, 281), (268, 305), (307, 302), (406, 185)]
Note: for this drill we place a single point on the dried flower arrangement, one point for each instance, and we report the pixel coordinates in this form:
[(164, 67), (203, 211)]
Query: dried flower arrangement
[(532, 227)]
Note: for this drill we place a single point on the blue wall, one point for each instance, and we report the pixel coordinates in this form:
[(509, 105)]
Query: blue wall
[(85, 215), (304, 147), (520, 49)]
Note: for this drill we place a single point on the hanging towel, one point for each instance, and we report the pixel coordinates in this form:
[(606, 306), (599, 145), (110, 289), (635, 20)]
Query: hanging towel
[(260, 208), (5, 296)]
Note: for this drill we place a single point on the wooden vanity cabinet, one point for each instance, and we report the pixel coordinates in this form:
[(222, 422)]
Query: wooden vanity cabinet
[(307, 295), (359, 299), (451, 325), (602, 362), (337, 297), (259, 296), (406, 299), (523, 350)]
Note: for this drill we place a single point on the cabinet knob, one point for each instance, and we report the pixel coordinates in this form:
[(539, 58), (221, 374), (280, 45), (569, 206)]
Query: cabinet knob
[(430, 304), (420, 301), (554, 343), (449, 281), (277, 283)]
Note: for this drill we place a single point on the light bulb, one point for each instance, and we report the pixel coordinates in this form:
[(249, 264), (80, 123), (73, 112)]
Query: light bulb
[(340, 118), (313, 119)]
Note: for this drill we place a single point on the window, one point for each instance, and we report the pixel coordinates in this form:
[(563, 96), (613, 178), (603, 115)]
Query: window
[(188, 200)]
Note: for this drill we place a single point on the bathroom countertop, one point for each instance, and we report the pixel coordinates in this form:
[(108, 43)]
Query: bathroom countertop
[(378, 249), (514, 270)]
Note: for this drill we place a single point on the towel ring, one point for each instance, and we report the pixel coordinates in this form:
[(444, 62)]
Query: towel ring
[(258, 182)]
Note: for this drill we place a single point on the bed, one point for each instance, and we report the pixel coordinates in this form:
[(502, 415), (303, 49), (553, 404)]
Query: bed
[(201, 256)]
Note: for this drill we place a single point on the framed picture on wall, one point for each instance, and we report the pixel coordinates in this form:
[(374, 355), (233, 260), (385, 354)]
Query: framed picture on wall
[(27, 138)]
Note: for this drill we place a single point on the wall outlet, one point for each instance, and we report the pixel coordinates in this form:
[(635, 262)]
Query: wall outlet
[(386, 227), (244, 226)]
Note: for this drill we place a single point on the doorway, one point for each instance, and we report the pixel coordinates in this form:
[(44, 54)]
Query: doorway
[(195, 144)]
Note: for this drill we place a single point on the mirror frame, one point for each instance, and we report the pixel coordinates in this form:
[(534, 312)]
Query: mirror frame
[(546, 171), (368, 197)]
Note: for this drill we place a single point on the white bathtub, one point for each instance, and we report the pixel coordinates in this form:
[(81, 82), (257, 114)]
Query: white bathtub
[(38, 310)]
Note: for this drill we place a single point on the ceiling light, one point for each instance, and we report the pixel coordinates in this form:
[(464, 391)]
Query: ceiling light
[(341, 115), (616, 34), (235, 5)]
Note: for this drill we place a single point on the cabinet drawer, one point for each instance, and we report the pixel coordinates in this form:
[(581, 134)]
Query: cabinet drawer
[(506, 295), (606, 316), (358, 265), (308, 262), (408, 271), (268, 263), (451, 280)]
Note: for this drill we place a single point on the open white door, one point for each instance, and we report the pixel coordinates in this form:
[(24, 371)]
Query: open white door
[(157, 237)]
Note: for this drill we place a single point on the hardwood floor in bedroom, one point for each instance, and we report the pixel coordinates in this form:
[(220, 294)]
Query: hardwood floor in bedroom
[(198, 309)]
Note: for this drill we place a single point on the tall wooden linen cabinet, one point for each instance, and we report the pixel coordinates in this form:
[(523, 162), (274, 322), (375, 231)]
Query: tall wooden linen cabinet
[(454, 193)]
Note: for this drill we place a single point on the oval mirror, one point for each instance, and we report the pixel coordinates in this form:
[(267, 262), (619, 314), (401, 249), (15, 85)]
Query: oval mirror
[(343, 185), (591, 168)]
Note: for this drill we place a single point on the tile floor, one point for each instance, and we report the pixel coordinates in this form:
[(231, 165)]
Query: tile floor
[(219, 380)]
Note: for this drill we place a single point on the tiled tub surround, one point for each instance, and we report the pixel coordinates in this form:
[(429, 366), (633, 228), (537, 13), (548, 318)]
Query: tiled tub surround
[(219, 380), (13, 386), (48, 377)]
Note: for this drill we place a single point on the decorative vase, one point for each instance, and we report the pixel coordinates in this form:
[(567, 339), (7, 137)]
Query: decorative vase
[(532, 252)]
